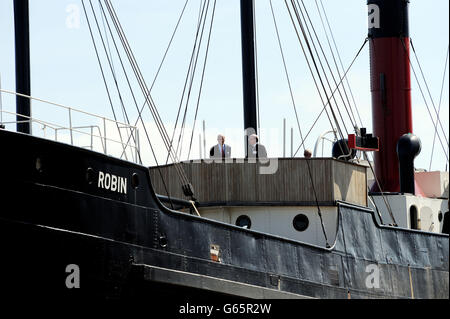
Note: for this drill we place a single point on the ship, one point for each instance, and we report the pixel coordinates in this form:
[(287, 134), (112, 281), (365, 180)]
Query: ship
[(79, 223)]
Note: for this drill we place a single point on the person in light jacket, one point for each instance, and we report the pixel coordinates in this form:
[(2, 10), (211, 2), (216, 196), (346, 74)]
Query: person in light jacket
[(220, 150)]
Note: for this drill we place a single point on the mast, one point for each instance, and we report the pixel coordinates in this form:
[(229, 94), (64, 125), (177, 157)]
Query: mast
[(390, 85), (22, 48), (248, 68)]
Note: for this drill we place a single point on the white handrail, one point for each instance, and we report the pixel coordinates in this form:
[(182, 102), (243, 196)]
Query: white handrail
[(320, 139), (63, 106), (57, 127)]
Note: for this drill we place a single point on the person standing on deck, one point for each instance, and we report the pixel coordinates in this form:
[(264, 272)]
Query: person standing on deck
[(256, 150), (220, 150)]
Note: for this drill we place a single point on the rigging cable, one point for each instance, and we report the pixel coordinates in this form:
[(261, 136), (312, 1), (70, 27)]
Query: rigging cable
[(352, 116), (324, 72), (187, 187), (429, 93), (340, 82), (440, 101), (353, 98), (303, 24), (135, 102), (141, 109), (285, 70), (354, 125), (110, 62), (435, 124), (137, 72), (196, 53), (203, 75), (124, 111), (340, 60), (186, 81), (328, 99), (102, 72), (104, 18), (321, 65), (386, 202), (258, 121), (299, 128), (310, 68)]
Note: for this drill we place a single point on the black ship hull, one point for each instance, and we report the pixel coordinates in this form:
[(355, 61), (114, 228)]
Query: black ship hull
[(126, 244)]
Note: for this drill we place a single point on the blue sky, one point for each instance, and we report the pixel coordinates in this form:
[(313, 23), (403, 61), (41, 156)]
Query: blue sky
[(65, 69)]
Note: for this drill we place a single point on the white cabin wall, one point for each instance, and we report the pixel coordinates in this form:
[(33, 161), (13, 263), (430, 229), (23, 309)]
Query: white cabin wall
[(428, 211), (278, 220)]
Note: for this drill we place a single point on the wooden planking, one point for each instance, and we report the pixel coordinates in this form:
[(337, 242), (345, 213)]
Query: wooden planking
[(350, 182), (242, 182)]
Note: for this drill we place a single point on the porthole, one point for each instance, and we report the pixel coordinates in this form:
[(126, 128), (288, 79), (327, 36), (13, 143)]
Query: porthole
[(440, 216), (300, 222), (244, 221)]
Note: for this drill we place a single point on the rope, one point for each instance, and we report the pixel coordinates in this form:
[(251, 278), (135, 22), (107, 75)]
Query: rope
[(141, 109), (104, 18), (124, 112), (334, 60), (192, 70), (186, 80), (299, 20), (137, 72), (285, 70), (309, 66), (203, 75), (101, 69), (302, 28), (301, 135), (425, 101), (340, 82), (340, 59), (428, 90), (135, 102), (146, 92), (324, 72), (327, 63), (439, 108), (258, 120), (386, 202)]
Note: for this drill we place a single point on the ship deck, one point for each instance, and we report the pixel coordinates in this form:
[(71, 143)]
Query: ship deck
[(280, 182)]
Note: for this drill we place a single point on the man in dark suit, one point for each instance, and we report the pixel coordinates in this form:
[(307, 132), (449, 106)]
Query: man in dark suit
[(255, 150), (220, 150)]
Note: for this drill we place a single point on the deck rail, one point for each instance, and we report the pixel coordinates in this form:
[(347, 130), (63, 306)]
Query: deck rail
[(77, 127)]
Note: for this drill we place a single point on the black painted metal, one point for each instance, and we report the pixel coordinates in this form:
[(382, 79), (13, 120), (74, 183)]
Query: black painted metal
[(177, 201), (53, 215), (393, 22), (22, 49), (408, 147), (248, 67), (341, 150)]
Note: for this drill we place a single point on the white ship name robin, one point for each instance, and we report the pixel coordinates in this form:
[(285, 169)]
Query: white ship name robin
[(112, 182)]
